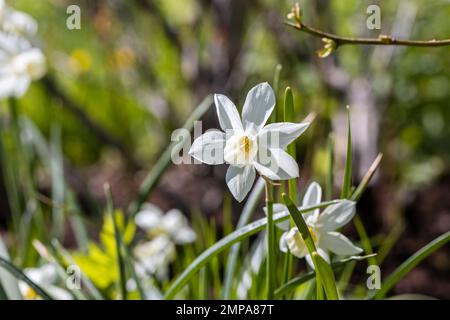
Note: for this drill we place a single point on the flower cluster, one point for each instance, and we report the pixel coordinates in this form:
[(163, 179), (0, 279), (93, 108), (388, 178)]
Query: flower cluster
[(249, 145), (20, 61), (46, 277)]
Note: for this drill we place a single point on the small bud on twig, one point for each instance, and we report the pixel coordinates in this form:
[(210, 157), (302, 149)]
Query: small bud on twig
[(295, 14)]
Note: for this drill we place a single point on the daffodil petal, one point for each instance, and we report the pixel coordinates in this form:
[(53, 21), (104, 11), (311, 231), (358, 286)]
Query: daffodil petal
[(339, 244), (279, 135), (295, 243), (208, 148), (283, 245), (240, 180), (227, 113), (258, 106), (276, 164), (335, 216)]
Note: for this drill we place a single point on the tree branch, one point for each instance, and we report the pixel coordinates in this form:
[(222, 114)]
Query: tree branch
[(383, 40)]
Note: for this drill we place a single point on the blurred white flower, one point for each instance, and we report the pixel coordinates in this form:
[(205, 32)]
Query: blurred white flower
[(16, 22), (154, 257), (248, 144), (172, 225), (45, 277), (149, 288), (20, 63), (322, 227)]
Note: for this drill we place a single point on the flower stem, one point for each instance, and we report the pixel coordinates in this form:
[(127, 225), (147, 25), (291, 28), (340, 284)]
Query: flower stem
[(270, 241)]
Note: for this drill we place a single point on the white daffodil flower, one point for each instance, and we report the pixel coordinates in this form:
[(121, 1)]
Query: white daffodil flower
[(172, 225), (154, 257), (45, 277), (322, 227), (249, 144), (20, 63), (16, 22)]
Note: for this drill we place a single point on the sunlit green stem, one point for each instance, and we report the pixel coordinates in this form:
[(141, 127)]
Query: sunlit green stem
[(118, 243), (270, 241)]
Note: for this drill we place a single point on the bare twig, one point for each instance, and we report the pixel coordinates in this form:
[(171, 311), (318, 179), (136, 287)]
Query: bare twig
[(382, 40)]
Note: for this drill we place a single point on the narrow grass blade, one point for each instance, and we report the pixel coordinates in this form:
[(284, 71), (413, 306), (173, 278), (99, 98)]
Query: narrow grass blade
[(366, 179), (120, 260), (271, 265), (57, 176), (360, 229), (294, 283), (232, 238), (410, 263), (356, 195), (329, 185), (163, 162), (244, 219), (16, 272), (3, 295), (276, 114), (346, 185), (389, 241), (60, 269), (45, 152), (64, 257), (309, 242), (326, 276), (300, 223)]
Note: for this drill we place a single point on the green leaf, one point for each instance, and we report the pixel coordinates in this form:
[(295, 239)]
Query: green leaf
[(330, 174), (59, 267), (119, 246), (244, 219), (324, 273), (300, 223), (57, 176), (366, 179), (309, 242), (9, 283), (16, 272), (346, 185), (271, 264), (410, 263), (232, 238)]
